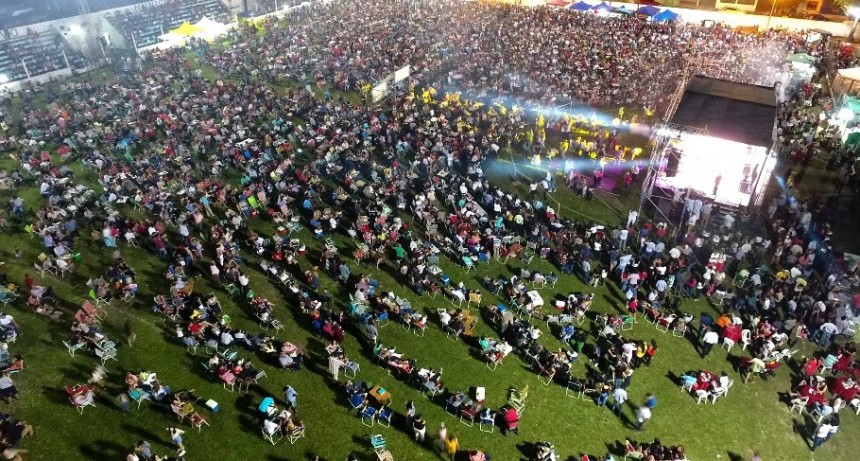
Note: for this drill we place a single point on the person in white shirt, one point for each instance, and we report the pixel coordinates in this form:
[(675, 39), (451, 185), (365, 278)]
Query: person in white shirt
[(708, 341), (619, 396), (632, 217), (821, 435)]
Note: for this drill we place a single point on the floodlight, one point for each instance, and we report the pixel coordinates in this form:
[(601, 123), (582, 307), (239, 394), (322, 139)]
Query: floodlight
[(76, 30), (3, 79)]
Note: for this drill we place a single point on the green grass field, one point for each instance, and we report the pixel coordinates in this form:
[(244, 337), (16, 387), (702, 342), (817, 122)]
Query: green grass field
[(751, 418)]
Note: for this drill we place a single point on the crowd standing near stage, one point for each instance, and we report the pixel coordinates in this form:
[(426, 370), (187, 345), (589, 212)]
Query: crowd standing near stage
[(407, 185)]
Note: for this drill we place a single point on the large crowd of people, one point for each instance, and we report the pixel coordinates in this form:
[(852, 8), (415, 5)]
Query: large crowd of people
[(164, 139)]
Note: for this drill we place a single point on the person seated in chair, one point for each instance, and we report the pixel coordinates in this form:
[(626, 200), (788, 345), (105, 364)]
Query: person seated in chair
[(512, 419)]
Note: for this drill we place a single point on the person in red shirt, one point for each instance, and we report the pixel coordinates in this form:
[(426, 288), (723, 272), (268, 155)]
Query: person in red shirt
[(29, 282), (811, 366), (512, 419)]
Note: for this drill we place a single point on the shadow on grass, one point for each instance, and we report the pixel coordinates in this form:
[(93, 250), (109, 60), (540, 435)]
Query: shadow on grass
[(146, 434), (103, 449)]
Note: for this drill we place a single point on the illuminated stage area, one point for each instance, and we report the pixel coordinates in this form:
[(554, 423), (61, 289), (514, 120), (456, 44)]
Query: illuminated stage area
[(726, 172), (717, 147)]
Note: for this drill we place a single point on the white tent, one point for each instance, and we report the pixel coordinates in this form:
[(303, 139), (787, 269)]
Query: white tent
[(210, 28)]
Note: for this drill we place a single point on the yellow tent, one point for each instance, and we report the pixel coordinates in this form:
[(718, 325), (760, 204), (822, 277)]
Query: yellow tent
[(186, 29)]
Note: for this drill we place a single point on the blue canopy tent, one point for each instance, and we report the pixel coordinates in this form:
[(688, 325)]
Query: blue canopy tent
[(648, 10), (665, 15), (602, 7), (580, 6)]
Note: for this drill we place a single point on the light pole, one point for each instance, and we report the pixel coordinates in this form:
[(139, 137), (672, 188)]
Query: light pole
[(855, 12), (772, 9)]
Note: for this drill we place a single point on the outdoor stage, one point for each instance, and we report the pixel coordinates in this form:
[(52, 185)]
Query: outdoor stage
[(726, 172), (717, 146)]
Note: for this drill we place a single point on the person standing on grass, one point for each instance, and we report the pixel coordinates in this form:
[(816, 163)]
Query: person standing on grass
[(452, 446), (176, 437), (649, 354), (291, 396), (821, 435), (419, 428), (643, 413), (834, 425), (124, 403), (410, 412), (441, 436), (619, 396), (709, 339)]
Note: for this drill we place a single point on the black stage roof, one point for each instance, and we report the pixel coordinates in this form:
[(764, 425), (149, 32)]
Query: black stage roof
[(729, 110)]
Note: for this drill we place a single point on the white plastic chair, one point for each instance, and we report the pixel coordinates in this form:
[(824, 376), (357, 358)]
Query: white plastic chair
[(702, 396), (799, 404), (715, 395), (855, 404), (728, 343), (746, 338)]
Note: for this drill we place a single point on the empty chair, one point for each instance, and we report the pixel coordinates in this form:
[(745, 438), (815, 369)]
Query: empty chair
[(799, 404), (746, 338), (368, 416), (384, 416)]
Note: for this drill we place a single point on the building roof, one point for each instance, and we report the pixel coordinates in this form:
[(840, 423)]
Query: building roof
[(734, 111)]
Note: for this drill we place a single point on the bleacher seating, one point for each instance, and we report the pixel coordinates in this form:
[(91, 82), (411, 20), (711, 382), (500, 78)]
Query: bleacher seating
[(42, 52), (268, 6), (143, 26)]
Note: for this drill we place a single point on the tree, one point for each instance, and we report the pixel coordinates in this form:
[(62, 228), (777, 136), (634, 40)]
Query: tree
[(844, 5)]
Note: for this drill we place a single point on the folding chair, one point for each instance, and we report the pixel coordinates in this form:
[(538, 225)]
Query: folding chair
[(228, 378), (139, 396), (198, 422), (296, 434), (105, 355), (492, 362), (575, 387), (665, 323), (98, 299), (381, 319), (543, 372), (92, 310), (468, 415), (272, 432), (384, 416), (468, 262), (368, 416), (488, 422), (350, 369), (72, 348), (474, 297), (627, 322)]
